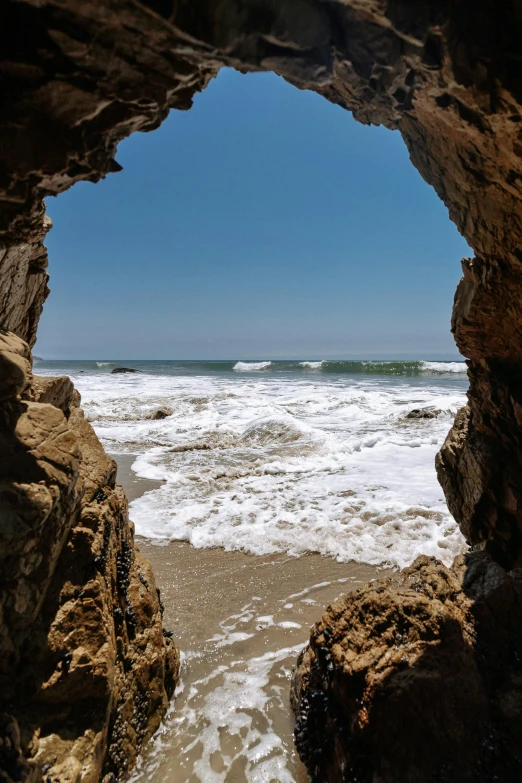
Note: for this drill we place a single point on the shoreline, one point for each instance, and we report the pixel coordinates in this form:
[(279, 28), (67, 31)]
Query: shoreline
[(179, 567), (133, 485), (232, 612)]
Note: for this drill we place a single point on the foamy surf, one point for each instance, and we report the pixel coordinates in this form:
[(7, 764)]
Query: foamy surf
[(312, 365), (249, 366), (444, 367), (286, 462)]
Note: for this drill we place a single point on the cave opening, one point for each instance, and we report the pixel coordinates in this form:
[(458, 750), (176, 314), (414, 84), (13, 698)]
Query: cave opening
[(281, 209), (417, 677), (288, 215)]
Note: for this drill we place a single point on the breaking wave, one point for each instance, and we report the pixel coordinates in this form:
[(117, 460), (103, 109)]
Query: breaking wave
[(247, 366), (444, 366), (412, 369)]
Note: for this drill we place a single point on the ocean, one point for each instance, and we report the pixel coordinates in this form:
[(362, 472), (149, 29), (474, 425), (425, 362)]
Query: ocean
[(283, 456), (293, 482)]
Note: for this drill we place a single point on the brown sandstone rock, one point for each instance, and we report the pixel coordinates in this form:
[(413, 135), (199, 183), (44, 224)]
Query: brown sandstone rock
[(480, 464), (23, 264), (85, 668), (59, 392), (15, 365), (417, 679)]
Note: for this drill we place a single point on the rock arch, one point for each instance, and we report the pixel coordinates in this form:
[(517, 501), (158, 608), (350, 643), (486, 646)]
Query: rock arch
[(77, 77)]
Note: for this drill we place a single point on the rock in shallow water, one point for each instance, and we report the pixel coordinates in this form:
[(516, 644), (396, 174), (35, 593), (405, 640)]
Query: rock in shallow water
[(416, 679), (161, 413), (120, 370), (423, 413)]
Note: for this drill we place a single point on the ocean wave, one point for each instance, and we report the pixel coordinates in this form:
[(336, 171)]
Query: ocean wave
[(418, 368), (269, 430), (309, 460), (391, 367), (247, 366), (444, 366), (355, 367)]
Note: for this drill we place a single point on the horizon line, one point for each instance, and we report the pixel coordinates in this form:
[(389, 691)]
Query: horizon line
[(362, 357)]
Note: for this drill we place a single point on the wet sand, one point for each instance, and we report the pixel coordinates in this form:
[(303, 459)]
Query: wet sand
[(134, 487), (240, 621)]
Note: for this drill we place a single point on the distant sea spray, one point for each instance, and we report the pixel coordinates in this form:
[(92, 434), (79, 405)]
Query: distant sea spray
[(351, 367)]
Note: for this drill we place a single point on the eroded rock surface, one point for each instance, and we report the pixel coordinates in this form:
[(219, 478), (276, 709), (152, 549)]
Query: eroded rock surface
[(85, 668), (480, 463), (423, 413), (416, 679)]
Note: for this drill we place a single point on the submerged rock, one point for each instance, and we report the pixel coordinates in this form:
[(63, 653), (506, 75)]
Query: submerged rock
[(423, 413), (122, 370), (161, 413)]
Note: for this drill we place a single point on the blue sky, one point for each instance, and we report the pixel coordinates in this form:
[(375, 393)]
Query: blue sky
[(263, 223)]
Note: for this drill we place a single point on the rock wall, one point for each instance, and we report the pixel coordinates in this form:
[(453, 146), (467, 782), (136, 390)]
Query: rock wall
[(416, 679), (24, 279), (85, 668), (77, 77)]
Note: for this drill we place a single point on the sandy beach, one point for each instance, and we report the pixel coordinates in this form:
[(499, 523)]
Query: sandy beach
[(240, 621)]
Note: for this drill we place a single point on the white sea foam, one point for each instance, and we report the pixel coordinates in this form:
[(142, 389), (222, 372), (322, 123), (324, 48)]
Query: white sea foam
[(243, 692), (285, 464), (248, 366), (312, 365), (444, 366), (105, 364), (230, 720)]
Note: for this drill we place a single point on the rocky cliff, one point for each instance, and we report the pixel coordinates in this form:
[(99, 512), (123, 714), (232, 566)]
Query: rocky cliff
[(416, 679), (85, 668), (79, 76)]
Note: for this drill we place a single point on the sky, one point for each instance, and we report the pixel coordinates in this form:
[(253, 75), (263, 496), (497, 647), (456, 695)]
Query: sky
[(263, 223)]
